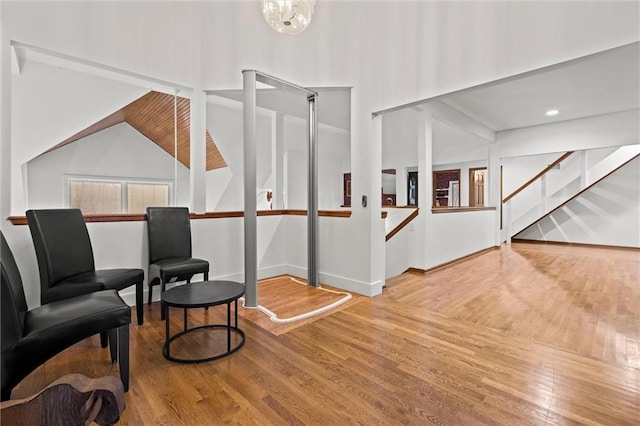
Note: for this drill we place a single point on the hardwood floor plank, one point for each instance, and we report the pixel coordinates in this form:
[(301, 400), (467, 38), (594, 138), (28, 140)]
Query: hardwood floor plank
[(528, 334)]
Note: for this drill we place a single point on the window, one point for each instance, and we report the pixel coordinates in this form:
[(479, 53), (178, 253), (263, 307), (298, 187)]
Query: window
[(142, 195), (102, 196)]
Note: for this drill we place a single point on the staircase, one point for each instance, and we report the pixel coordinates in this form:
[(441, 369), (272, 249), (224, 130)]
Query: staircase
[(570, 175)]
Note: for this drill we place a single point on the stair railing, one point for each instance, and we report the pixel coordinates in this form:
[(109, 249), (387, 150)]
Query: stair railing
[(506, 202), (573, 182)]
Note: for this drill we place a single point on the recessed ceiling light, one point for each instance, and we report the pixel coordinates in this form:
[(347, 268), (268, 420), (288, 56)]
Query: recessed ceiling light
[(552, 112)]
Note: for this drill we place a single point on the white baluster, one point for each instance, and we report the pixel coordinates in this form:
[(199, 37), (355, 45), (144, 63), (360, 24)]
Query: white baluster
[(507, 222), (543, 195)]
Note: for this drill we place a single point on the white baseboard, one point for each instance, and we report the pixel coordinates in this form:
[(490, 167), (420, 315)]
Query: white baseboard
[(347, 284)]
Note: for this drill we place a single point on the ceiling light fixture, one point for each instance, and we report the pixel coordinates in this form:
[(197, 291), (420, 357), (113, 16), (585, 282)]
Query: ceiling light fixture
[(552, 112), (288, 16)]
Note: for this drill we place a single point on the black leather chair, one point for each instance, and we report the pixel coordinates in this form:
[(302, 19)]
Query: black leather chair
[(31, 337), (169, 233), (65, 259)]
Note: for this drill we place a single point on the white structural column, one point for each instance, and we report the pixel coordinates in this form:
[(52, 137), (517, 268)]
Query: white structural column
[(198, 117), (425, 187), (378, 244), (250, 188), (5, 123), (493, 186), (198, 152), (401, 186), (277, 159)]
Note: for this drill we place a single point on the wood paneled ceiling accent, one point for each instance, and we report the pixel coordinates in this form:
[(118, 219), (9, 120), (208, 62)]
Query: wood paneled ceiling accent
[(153, 116)]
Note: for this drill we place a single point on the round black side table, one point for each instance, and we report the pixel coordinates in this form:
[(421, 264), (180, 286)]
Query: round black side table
[(201, 295)]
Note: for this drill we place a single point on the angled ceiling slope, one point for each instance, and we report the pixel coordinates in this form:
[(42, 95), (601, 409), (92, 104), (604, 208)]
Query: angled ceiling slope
[(152, 115)]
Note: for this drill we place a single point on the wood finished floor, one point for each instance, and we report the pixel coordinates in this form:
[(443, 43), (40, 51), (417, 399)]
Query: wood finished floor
[(527, 334), (300, 299)]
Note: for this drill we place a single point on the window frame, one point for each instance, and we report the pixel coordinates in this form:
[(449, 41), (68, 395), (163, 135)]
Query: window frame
[(123, 181)]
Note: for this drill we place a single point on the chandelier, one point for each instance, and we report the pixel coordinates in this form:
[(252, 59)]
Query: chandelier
[(288, 16)]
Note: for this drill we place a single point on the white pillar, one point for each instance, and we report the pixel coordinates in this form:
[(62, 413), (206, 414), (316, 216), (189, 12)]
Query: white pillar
[(378, 244), (198, 117), (401, 186), (277, 159), (198, 152), (492, 187), (507, 221), (425, 188), (5, 124)]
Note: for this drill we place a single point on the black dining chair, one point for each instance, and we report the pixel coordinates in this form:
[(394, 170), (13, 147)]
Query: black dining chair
[(169, 235), (31, 337), (66, 263)]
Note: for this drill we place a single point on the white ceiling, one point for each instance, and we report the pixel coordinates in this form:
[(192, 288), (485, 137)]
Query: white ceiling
[(597, 84)]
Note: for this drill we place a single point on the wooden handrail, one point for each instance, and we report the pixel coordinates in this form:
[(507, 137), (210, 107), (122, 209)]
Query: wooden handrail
[(533, 179), (141, 217), (402, 224)]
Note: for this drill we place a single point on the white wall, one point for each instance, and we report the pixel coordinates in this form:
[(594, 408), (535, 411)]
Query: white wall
[(398, 251), (400, 139), (334, 247), (225, 187), (606, 214), (454, 145), (454, 235), (50, 104), (391, 53), (525, 152), (119, 151)]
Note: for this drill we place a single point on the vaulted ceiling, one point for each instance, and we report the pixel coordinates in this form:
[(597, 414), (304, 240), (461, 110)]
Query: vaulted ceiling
[(153, 116)]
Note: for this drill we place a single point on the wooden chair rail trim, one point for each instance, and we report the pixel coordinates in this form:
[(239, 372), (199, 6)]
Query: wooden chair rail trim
[(22, 220), (533, 179), (402, 224), (580, 193), (459, 209)]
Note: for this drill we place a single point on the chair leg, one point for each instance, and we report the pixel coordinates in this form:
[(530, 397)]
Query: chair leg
[(150, 292), (123, 355), (206, 278), (113, 344), (162, 289), (104, 339), (139, 302)]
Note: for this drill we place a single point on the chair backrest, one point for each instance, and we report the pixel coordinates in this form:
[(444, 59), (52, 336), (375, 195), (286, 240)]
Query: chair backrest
[(62, 244), (14, 304), (169, 232)]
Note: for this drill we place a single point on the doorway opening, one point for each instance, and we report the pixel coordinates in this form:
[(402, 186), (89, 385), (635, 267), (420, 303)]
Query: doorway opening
[(477, 178)]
